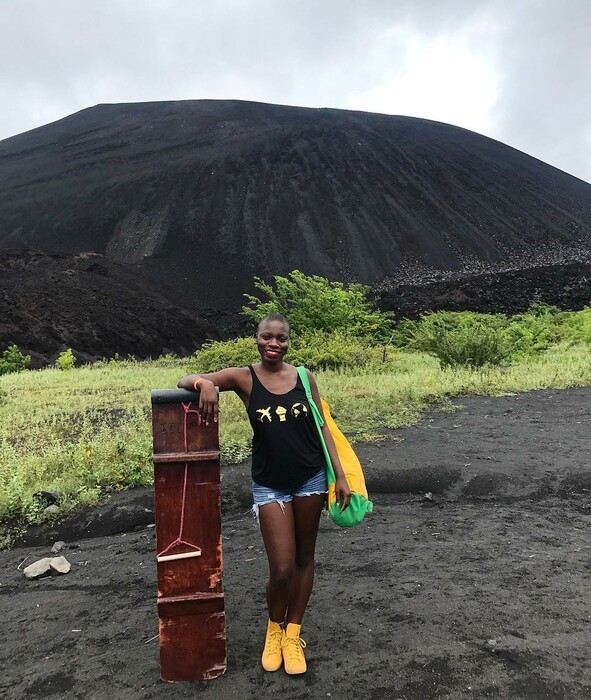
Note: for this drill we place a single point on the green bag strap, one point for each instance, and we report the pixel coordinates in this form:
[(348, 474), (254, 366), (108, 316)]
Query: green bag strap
[(315, 412), (319, 423)]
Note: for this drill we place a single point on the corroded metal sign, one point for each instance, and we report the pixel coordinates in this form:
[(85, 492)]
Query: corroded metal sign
[(188, 539)]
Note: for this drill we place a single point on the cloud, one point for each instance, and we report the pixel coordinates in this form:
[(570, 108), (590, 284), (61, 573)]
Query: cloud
[(68, 55), (517, 71), (444, 79), (545, 90)]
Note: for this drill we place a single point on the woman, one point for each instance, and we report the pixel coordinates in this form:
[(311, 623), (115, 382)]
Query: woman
[(289, 479)]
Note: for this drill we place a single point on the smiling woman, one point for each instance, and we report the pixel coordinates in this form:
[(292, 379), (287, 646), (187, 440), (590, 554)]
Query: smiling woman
[(273, 336), (288, 479)]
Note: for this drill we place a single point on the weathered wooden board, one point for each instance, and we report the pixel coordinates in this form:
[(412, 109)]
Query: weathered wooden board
[(191, 615)]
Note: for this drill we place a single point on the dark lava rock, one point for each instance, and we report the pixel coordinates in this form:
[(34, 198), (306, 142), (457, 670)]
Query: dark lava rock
[(48, 498), (206, 194), (54, 301), (567, 286)]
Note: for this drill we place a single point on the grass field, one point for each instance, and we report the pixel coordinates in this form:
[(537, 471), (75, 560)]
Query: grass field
[(86, 431)]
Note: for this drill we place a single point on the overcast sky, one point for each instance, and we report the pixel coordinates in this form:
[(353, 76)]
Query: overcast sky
[(516, 70)]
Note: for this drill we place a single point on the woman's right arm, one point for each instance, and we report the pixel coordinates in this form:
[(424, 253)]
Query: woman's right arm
[(230, 379)]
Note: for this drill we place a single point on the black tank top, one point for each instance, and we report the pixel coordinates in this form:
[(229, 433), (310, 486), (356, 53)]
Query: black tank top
[(286, 449)]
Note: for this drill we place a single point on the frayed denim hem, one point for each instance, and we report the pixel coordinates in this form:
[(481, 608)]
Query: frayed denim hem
[(310, 493), (256, 506)]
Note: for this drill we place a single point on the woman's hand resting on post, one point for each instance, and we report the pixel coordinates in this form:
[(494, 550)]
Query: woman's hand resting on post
[(209, 401)]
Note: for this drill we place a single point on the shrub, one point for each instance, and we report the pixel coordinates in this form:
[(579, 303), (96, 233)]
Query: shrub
[(578, 326), (65, 359), (13, 360), (216, 355), (536, 330), (466, 338), (322, 350), (417, 335), (474, 346), (313, 303), (167, 358)]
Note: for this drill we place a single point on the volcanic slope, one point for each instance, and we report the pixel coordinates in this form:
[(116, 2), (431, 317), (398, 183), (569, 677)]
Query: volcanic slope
[(51, 301), (207, 194)]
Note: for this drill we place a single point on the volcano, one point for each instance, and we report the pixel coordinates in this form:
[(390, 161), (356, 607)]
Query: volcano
[(204, 195)]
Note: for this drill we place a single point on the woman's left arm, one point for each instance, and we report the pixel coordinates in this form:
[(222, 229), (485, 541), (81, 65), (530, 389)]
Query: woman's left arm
[(342, 490)]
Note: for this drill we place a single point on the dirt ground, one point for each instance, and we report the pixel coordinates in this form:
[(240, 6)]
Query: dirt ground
[(483, 592)]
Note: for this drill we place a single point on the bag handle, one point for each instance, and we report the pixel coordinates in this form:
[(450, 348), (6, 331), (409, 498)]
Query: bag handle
[(315, 412), (303, 374)]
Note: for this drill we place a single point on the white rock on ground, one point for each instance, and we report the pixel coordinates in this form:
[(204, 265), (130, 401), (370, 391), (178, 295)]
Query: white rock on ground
[(60, 565), (47, 566), (38, 569)]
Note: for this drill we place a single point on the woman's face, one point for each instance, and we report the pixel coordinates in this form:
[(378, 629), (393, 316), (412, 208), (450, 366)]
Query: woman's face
[(273, 341)]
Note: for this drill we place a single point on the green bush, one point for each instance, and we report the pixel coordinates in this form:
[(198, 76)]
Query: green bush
[(65, 359), (528, 334), (417, 335), (578, 326), (474, 346), (13, 360), (536, 330), (321, 350), (458, 338), (216, 355), (313, 303)]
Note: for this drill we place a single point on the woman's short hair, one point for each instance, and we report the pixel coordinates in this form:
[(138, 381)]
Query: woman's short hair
[(273, 317)]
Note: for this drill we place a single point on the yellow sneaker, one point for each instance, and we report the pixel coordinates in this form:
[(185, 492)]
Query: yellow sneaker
[(272, 657), (292, 646)]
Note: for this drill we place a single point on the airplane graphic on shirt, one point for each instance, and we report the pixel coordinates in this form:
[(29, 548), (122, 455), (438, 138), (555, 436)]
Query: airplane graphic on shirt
[(265, 413)]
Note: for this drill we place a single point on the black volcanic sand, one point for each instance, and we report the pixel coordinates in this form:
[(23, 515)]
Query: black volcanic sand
[(483, 592)]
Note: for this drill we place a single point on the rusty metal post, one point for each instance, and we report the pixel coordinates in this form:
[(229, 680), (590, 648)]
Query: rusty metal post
[(187, 510)]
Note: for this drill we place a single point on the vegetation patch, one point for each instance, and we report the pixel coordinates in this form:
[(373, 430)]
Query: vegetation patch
[(13, 360), (85, 432), (313, 303)]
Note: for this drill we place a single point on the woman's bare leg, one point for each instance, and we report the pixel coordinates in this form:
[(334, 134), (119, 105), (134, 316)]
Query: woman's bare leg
[(306, 518), (277, 528)]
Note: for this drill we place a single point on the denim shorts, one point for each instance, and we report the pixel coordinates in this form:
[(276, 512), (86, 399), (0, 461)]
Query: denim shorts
[(261, 495)]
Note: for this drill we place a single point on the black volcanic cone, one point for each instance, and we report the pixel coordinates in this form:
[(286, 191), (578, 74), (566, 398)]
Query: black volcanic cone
[(207, 194)]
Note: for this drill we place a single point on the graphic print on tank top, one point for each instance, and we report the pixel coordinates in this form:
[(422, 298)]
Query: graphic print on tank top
[(298, 411), (286, 449)]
